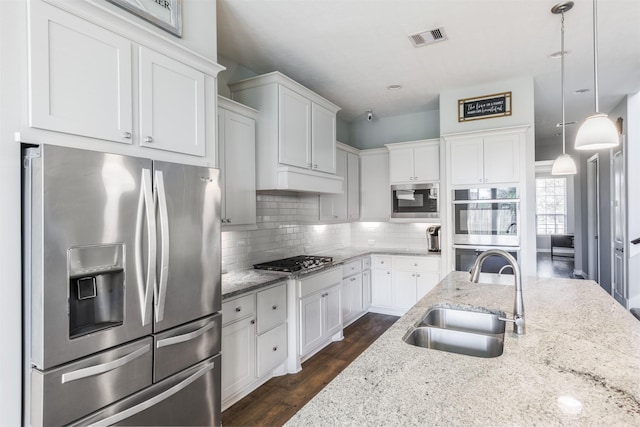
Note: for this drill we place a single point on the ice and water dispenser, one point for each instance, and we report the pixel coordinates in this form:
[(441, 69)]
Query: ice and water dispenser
[(96, 288)]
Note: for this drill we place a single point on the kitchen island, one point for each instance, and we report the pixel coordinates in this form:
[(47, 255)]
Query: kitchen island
[(577, 364)]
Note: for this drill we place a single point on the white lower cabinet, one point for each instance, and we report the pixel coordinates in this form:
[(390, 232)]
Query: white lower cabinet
[(254, 340), (366, 289), (352, 292), (320, 305), (398, 282)]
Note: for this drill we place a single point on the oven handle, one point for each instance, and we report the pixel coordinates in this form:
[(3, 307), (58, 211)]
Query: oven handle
[(466, 202), (486, 248)]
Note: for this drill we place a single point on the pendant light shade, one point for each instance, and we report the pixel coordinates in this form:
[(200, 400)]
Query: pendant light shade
[(564, 164), (597, 131)]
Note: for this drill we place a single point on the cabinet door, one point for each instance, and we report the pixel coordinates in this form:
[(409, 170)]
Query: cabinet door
[(356, 295), (366, 289), (237, 147), (80, 77), (404, 289), (353, 186), (271, 349), (238, 356), (312, 322), (294, 125), (426, 163), (401, 165), (271, 307), (466, 161), (425, 282), (323, 139), (381, 288), (347, 309), (171, 105), (333, 207), (501, 159), (375, 193), (333, 311)]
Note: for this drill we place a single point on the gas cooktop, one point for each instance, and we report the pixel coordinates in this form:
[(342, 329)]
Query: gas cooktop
[(296, 263)]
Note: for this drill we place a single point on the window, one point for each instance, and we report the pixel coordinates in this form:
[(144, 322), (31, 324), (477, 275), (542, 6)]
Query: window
[(551, 205)]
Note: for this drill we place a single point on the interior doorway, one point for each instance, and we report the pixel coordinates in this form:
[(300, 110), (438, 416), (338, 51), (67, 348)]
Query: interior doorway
[(593, 218), (619, 285)]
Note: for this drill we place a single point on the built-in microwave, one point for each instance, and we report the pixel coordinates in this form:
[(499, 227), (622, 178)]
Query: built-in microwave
[(415, 201), (486, 216)]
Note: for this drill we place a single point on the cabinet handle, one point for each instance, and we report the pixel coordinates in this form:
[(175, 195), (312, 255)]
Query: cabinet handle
[(126, 135), (417, 275), (353, 278), (324, 295), (228, 220), (238, 309), (274, 307), (415, 265), (413, 275), (315, 166), (381, 262), (415, 178), (275, 348), (388, 272), (148, 139), (253, 322)]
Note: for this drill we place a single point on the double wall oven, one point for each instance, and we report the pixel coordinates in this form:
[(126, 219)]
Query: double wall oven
[(485, 218)]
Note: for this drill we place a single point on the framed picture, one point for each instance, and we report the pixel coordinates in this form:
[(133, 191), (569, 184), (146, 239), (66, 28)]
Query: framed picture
[(484, 107), (166, 14)]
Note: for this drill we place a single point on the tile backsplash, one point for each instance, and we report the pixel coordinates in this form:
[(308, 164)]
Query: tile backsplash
[(287, 225)]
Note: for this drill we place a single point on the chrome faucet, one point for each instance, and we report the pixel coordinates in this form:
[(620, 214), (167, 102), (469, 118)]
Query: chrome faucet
[(518, 304)]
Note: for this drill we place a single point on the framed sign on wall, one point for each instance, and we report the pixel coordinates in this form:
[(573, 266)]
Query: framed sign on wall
[(484, 107), (166, 14)]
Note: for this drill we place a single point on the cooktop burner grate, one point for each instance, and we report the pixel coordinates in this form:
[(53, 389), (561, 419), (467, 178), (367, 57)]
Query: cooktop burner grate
[(296, 263)]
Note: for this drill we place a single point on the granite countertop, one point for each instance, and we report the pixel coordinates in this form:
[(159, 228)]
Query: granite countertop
[(577, 364), (241, 281)]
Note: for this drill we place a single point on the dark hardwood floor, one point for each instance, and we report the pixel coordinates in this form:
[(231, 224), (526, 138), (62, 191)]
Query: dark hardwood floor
[(556, 267), (280, 398)]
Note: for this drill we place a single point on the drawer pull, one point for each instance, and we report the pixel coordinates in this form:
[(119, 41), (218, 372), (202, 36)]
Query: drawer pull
[(381, 262), (253, 322), (415, 265), (274, 307), (353, 278), (238, 309), (325, 295), (275, 348)]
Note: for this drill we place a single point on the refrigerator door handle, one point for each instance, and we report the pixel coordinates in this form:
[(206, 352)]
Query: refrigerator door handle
[(104, 367), (160, 291), (146, 211), (184, 337), (154, 400)]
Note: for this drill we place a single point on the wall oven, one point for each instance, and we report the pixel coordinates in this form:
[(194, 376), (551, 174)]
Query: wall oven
[(465, 257), (486, 216), (415, 201)]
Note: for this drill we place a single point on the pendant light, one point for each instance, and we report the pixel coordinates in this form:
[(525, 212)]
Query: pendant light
[(564, 164), (597, 131)]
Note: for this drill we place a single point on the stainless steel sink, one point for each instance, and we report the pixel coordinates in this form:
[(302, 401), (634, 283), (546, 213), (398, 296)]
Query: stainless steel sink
[(472, 333), (470, 321)]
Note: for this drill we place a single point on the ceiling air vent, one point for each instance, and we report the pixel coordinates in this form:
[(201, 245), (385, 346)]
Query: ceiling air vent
[(424, 38)]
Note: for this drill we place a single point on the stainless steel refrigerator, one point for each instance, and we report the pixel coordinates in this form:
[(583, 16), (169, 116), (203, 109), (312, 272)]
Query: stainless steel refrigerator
[(122, 290)]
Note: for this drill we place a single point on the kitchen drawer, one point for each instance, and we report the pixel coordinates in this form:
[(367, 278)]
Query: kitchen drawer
[(64, 394), (272, 349), (366, 263), (320, 281), (238, 308), (181, 347), (381, 261), (401, 263), (272, 307), (351, 268)]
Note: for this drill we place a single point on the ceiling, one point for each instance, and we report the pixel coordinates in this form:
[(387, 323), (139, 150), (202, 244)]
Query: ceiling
[(349, 51)]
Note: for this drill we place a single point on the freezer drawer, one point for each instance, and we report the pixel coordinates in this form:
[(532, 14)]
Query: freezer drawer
[(186, 345), (190, 398), (65, 394)]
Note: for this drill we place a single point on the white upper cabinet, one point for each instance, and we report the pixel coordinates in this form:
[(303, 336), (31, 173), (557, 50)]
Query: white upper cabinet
[(414, 162), (296, 139), (295, 129), (346, 205), (80, 77), (171, 104), (323, 147), (112, 82), (236, 147), (375, 195), (484, 158)]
